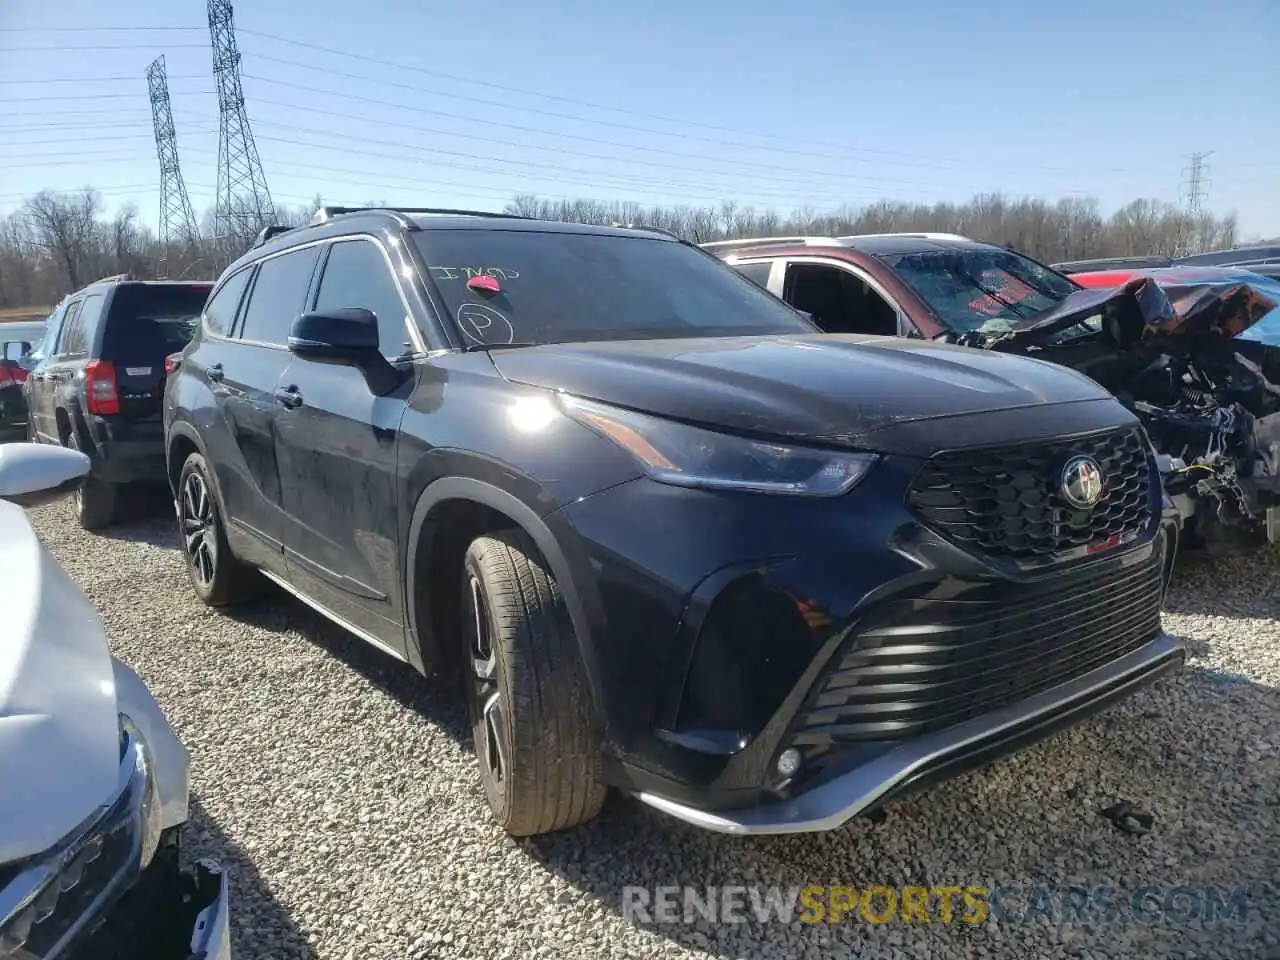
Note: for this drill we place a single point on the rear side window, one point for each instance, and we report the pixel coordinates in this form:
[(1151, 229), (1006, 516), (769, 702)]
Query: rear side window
[(757, 273), (71, 335), (220, 311), (146, 322), (277, 297), (357, 275)]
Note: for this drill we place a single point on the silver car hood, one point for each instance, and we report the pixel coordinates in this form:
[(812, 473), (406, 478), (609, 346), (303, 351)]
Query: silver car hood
[(59, 729)]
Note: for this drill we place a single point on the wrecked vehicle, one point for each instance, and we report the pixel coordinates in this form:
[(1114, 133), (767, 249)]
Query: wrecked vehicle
[(95, 782), (1196, 357)]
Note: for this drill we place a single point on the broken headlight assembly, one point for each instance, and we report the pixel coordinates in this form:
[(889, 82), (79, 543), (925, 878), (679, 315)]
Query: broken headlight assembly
[(48, 899)]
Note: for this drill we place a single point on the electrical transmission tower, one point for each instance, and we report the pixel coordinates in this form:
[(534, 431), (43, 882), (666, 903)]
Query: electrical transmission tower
[(244, 203), (1193, 200), (1196, 183), (177, 220)]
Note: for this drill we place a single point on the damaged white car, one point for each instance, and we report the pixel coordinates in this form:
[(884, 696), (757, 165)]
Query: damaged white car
[(95, 784)]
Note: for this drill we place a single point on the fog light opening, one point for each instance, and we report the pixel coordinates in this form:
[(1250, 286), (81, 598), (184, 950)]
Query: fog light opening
[(789, 763)]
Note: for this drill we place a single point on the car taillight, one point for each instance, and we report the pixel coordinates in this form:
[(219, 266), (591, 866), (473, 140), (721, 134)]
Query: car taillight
[(101, 395), (6, 378), (19, 374), (172, 362)]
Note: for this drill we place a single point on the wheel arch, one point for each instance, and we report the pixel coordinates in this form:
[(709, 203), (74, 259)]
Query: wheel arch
[(181, 441), (476, 507)]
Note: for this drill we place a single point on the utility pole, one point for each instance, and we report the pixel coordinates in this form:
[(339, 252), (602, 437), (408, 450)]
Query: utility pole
[(244, 204), (177, 219), (1193, 199)]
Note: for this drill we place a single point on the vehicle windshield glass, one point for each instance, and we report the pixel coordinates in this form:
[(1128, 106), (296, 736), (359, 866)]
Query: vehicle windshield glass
[(550, 287), (981, 289)]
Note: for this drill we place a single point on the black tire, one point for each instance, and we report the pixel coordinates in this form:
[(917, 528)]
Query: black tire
[(94, 501), (217, 575), (535, 733)]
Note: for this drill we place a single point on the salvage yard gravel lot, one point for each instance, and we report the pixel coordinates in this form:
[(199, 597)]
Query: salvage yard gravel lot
[(339, 789)]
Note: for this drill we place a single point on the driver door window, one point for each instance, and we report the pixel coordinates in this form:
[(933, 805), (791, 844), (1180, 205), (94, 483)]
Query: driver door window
[(357, 275)]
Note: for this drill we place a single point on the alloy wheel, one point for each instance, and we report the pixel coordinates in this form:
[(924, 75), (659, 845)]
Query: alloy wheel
[(199, 535), (490, 722)]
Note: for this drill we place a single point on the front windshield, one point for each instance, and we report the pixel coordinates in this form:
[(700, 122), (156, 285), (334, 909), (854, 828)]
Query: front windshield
[(551, 287), (980, 289)]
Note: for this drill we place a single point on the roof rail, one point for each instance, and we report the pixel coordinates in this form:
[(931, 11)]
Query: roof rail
[(266, 233), (762, 241), (325, 214), (114, 277), (913, 236), (642, 226)]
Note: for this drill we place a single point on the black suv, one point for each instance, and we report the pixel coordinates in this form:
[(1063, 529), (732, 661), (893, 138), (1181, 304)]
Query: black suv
[(668, 536), (99, 379)]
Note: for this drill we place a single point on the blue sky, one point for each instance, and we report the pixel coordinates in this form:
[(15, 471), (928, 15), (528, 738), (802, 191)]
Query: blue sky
[(427, 102)]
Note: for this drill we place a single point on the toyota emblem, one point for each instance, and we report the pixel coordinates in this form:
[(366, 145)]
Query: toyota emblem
[(1081, 483)]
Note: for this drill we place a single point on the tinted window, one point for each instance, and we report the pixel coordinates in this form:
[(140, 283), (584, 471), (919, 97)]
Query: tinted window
[(357, 275), (148, 321), (220, 312), (838, 301), (277, 296), (757, 273), (565, 287), (70, 333), (15, 350), (980, 289)]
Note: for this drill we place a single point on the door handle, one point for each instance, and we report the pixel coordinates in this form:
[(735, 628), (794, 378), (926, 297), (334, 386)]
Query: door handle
[(214, 372), (289, 396)]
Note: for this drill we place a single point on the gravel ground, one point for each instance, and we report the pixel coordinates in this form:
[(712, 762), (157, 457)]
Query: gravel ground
[(339, 789)]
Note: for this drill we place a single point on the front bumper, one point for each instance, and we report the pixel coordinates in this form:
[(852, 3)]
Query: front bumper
[(849, 629), (943, 753), (55, 903)]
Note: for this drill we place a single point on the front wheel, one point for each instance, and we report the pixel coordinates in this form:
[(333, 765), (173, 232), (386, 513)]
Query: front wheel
[(217, 575), (531, 716)]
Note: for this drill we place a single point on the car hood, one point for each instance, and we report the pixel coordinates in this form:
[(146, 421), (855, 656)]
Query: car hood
[(1184, 302), (59, 732), (825, 388)]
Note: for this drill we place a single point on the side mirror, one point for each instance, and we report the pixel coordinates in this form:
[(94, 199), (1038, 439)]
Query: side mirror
[(33, 474), (347, 336)]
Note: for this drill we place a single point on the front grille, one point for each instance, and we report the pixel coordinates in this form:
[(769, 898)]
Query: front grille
[(98, 862), (935, 658), (1005, 502)]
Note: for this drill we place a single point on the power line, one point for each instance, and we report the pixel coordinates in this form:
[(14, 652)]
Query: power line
[(555, 172), (83, 48), (42, 82), (791, 170), (98, 96)]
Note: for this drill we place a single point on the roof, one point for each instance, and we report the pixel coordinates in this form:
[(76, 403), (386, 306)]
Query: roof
[(871, 243), (340, 221)]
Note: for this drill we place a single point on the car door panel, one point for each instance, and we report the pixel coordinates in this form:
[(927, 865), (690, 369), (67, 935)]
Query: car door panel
[(336, 452), (243, 372), (43, 384), (336, 446)]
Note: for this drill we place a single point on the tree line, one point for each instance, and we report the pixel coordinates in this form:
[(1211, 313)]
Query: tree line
[(57, 242)]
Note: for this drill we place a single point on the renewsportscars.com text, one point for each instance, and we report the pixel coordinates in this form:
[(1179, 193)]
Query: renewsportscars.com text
[(969, 904)]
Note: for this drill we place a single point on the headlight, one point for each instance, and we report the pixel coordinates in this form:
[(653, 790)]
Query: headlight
[(688, 456), (146, 793)]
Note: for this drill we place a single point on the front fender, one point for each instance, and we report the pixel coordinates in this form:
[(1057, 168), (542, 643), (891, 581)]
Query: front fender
[(568, 563)]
